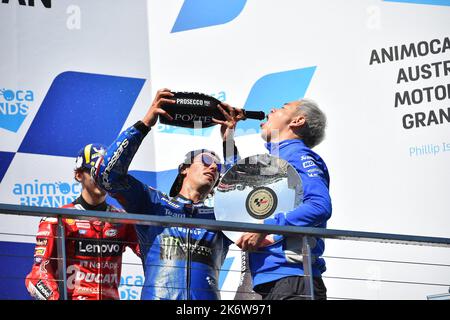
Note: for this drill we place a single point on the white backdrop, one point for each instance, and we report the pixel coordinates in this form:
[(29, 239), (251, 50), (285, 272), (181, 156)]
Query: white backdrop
[(255, 54)]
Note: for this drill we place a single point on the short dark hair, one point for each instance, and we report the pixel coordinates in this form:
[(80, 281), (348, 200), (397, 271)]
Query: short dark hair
[(188, 159)]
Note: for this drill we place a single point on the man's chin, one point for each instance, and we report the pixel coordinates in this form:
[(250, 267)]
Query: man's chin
[(209, 184), (265, 136), (100, 192)]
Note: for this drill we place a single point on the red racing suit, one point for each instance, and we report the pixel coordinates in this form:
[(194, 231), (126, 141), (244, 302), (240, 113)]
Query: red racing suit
[(94, 256)]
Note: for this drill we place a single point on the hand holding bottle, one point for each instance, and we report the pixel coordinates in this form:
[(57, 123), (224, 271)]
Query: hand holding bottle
[(162, 98), (232, 117)]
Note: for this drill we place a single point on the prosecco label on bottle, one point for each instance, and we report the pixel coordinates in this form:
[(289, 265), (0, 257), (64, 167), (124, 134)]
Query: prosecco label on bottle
[(191, 108)]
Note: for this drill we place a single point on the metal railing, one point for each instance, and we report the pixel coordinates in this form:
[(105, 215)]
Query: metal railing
[(302, 232)]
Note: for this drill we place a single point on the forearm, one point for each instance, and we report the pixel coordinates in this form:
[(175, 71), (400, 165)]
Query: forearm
[(41, 281), (111, 173)]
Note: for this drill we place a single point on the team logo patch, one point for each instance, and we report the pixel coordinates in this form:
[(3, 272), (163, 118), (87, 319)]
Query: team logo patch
[(39, 252), (83, 225), (170, 203), (205, 211), (41, 242), (70, 222), (111, 233), (43, 289), (261, 202)]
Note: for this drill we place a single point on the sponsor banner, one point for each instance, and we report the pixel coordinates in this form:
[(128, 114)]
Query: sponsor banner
[(384, 88), (381, 76), (76, 90), (49, 182)]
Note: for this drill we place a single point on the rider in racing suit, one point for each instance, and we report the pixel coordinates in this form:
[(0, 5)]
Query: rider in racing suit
[(93, 248), (179, 263)]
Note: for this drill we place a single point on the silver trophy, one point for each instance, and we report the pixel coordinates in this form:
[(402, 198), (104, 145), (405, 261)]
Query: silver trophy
[(254, 189)]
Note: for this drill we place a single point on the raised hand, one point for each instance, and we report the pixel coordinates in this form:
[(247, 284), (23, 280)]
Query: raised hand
[(232, 117), (162, 97)]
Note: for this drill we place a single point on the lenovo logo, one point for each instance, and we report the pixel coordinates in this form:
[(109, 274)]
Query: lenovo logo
[(43, 289), (30, 3), (95, 248)]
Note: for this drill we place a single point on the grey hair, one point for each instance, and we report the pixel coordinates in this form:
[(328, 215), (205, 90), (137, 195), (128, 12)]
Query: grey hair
[(313, 132)]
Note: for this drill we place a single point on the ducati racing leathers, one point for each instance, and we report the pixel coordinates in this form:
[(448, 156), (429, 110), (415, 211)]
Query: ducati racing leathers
[(179, 263), (94, 256)]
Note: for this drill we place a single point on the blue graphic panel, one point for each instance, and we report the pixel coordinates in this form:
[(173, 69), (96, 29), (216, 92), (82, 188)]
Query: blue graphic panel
[(224, 271), (430, 2), (274, 90), (5, 160), (16, 260), (205, 13), (81, 108), (11, 123)]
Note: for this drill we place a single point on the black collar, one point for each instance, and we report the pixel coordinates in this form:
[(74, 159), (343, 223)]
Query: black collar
[(100, 207)]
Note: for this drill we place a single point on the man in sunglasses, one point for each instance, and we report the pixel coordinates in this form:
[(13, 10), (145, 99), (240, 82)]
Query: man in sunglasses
[(179, 263), (210, 171)]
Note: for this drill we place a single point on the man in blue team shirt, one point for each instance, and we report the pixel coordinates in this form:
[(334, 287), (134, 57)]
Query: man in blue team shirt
[(290, 131), (179, 263)]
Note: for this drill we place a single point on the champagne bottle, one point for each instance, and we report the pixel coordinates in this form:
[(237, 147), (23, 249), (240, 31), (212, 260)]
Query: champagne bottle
[(197, 109)]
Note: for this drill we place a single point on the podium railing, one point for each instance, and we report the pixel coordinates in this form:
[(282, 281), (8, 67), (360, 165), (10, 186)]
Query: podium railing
[(301, 232)]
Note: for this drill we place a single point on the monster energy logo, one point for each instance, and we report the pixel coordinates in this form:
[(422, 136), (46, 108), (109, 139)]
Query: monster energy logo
[(174, 248)]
